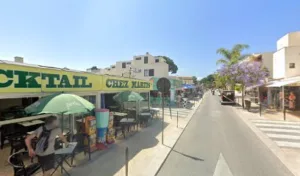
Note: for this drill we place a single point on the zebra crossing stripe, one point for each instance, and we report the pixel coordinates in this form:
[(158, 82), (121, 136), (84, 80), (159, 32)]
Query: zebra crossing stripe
[(283, 136), (278, 126), (288, 144), (279, 130), (274, 122)]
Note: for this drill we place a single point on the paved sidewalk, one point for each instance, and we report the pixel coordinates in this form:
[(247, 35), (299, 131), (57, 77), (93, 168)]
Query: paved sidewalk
[(146, 152), (277, 136)]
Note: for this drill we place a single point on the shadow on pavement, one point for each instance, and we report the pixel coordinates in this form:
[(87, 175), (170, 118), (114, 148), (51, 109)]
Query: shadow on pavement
[(110, 161), (189, 156), (192, 157)]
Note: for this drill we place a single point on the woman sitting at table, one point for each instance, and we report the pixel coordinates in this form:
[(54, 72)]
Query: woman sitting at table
[(45, 144)]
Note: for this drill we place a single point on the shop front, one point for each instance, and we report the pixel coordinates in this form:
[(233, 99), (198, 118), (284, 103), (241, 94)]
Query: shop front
[(22, 85), (170, 97), (113, 85)]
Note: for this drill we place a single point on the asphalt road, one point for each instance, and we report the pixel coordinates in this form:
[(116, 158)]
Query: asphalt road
[(216, 132)]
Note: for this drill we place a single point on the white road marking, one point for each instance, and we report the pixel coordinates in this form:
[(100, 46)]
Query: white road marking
[(288, 144), (279, 130), (283, 136), (278, 126), (274, 121), (222, 168)]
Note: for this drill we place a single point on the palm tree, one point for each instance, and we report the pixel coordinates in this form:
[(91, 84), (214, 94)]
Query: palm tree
[(232, 56)]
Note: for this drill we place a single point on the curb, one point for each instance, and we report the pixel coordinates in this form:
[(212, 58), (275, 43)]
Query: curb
[(268, 142), (191, 116)]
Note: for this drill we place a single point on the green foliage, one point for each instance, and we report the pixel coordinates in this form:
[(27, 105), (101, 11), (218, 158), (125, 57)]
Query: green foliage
[(94, 68), (238, 87), (220, 81), (195, 80), (208, 81), (232, 56), (172, 66)]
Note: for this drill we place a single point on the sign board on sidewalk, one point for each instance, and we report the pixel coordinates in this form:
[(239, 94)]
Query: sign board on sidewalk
[(163, 85)]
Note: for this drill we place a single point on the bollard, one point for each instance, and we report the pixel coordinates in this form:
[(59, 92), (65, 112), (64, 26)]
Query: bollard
[(126, 161), (177, 119), (170, 111), (284, 111), (260, 109)]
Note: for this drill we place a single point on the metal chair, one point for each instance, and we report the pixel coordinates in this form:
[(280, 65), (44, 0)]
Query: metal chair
[(83, 145), (17, 142), (16, 161)]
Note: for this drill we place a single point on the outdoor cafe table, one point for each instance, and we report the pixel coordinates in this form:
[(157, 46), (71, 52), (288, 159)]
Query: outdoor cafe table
[(32, 123), (145, 116), (118, 116), (63, 153), (154, 111), (126, 123)]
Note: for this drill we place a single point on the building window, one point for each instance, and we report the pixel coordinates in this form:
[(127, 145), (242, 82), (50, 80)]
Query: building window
[(146, 72), (138, 58), (156, 60), (151, 72), (113, 67), (292, 65), (146, 60), (128, 63), (124, 65)]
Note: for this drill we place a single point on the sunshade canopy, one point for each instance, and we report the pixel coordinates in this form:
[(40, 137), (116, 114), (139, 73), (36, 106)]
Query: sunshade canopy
[(127, 96), (60, 103), (290, 82)]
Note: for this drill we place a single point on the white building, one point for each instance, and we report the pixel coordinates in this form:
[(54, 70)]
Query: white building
[(266, 59), (286, 60), (141, 67)]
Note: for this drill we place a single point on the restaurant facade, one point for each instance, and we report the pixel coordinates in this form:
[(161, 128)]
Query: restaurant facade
[(22, 84)]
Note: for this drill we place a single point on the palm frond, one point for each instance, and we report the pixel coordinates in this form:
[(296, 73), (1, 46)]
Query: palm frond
[(222, 61), (239, 47), (224, 52)]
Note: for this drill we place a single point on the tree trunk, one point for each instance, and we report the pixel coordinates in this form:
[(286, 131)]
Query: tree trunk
[(243, 96)]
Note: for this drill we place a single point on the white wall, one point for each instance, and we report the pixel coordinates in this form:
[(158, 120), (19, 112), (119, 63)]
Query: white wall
[(294, 39), (283, 42), (292, 55), (161, 68), (267, 61), (278, 64)]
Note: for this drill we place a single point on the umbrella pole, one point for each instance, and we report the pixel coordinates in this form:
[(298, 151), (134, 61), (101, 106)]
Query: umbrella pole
[(62, 122), (71, 126)]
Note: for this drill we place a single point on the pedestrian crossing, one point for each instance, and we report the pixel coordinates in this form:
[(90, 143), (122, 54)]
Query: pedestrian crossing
[(284, 134)]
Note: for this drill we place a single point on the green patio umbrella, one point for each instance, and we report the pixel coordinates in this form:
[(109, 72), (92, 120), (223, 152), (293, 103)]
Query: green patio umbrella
[(128, 96), (61, 103)]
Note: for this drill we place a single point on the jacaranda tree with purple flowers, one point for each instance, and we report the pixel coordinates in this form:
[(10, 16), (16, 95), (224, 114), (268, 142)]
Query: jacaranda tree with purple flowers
[(245, 73)]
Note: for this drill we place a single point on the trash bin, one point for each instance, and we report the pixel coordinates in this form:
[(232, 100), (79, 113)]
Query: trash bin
[(248, 104)]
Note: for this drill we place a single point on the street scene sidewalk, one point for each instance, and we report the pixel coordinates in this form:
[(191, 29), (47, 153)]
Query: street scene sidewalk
[(281, 137), (146, 152)]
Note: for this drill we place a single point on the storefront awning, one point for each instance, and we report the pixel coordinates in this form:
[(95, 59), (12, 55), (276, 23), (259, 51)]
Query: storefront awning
[(286, 82), (188, 86)]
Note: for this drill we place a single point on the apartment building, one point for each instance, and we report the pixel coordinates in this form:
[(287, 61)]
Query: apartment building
[(140, 67), (286, 60), (186, 79), (266, 59)]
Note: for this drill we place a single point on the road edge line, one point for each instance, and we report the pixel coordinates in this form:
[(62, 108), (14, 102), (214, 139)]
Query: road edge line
[(192, 114)]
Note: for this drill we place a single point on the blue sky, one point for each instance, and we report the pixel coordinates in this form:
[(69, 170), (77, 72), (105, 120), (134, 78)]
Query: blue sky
[(79, 34)]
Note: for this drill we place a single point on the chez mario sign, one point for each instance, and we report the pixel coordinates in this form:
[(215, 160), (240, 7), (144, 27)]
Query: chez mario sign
[(116, 83)]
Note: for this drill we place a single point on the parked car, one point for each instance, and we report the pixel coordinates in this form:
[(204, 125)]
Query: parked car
[(227, 97)]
